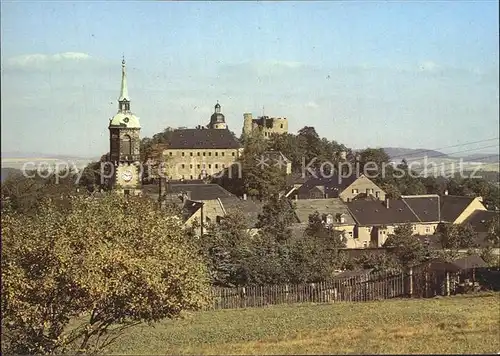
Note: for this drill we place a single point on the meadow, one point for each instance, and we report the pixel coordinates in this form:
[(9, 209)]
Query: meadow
[(459, 324)]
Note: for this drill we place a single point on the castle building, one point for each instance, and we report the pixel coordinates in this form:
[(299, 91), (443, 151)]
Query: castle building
[(124, 144), (217, 120), (264, 124), (201, 152)]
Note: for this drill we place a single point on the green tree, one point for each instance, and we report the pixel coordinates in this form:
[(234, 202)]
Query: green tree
[(278, 214), (225, 247), (75, 279), (407, 248), (316, 255), (457, 236), (493, 236)]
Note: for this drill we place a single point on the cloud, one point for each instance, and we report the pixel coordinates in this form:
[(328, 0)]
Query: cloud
[(429, 66), (30, 60), (312, 105)]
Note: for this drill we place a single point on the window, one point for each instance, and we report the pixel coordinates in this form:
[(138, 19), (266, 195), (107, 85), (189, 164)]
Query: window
[(190, 177), (414, 227), (198, 153), (233, 153), (222, 154), (209, 153), (190, 166), (209, 166), (198, 166), (182, 165), (427, 229), (216, 153), (182, 154), (365, 244), (216, 165), (170, 153), (223, 165), (204, 153), (281, 126), (191, 154), (377, 194), (126, 146), (354, 191), (126, 192)]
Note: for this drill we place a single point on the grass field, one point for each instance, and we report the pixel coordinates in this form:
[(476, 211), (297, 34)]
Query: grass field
[(460, 324)]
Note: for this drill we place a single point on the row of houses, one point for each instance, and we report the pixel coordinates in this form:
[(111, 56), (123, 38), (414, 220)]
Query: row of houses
[(355, 206)]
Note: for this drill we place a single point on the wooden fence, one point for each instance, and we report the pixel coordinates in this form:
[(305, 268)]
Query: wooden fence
[(374, 286)]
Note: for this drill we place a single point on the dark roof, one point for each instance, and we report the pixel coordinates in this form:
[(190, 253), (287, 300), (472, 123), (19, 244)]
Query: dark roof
[(452, 206), (190, 207), (461, 264), (203, 139), (334, 206), (480, 219), (426, 207), (367, 212), (199, 191), (296, 178), (472, 261), (333, 185), (250, 208)]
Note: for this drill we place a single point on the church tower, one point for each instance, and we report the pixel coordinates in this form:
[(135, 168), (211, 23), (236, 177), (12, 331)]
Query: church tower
[(124, 144), (217, 120)]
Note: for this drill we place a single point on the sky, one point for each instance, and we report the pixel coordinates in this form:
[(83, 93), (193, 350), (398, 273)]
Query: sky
[(418, 74)]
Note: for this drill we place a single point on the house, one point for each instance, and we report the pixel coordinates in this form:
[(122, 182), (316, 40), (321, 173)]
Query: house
[(481, 219), (211, 202), (334, 213), (427, 210), (336, 186), (456, 209), (376, 220)]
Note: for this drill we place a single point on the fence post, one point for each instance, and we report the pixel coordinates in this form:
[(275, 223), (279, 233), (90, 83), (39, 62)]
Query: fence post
[(287, 293), (402, 284), (243, 298), (426, 292), (411, 282), (447, 283)]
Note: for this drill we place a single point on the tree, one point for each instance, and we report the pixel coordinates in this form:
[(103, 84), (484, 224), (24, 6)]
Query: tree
[(277, 216), (457, 236), (407, 248), (105, 263), (315, 256), (373, 161), (225, 247), (493, 236)]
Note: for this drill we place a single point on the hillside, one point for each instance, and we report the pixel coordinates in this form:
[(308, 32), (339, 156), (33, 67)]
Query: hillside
[(7, 172), (419, 326)]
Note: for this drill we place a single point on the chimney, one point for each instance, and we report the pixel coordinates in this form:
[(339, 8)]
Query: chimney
[(387, 203), (446, 192), (480, 199), (245, 196)]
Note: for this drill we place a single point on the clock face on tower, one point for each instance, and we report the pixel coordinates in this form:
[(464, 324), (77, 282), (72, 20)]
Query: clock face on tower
[(127, 175)]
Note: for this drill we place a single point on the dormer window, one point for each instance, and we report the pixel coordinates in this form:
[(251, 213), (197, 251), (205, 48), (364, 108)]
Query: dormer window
[(328, 219)]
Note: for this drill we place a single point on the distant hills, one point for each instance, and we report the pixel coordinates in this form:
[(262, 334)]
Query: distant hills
[(398, 153), (37, 155), (412, 154)]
